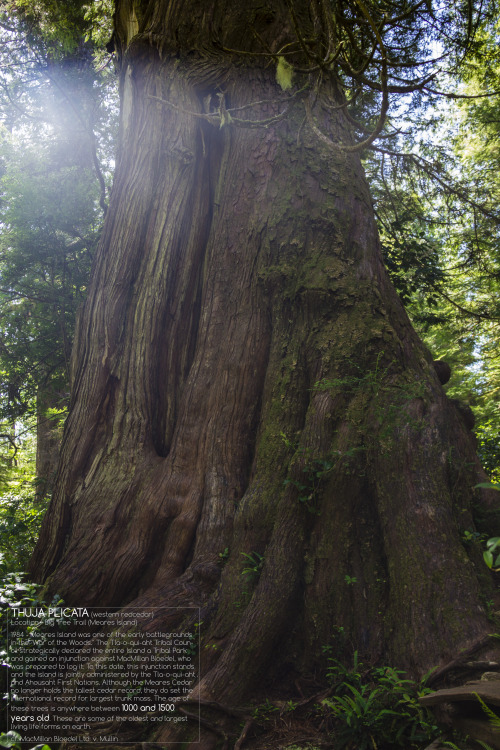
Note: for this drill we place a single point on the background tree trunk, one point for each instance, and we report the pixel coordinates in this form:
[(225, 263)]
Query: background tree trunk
[(238, 268), (48, 440)]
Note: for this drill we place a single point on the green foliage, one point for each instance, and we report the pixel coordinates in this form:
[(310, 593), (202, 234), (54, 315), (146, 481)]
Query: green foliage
[(489, 486), (411, 253), (493, 543), (470, 346), (340, 675), (488, 555), (371, 381), (52, 190), (492, 716), (337, 643), (377, 708), (99, 16), (364, 719), (52, 26), (488, 446), (8, 455), (10, 739), (264, 712), (20, 520), (447, 743), (49, 233), (380, 389), (314, 470), (16, 592), (224, 555), (437, 204), (284, 74), (20, 513), (255, 561), (192, 649), (376, 382), (472, 537)]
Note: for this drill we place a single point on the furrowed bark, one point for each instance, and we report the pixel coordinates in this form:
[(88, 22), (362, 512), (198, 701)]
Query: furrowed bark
[(245, 377)]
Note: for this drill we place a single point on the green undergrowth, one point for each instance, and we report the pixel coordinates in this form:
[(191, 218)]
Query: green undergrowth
[(376, 707), (382, 388), (315, 470), (366, 708), (15, 591), (20, 521), (491, 554)]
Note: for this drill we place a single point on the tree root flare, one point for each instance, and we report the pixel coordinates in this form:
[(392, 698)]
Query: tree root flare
[(215, 728), (234, 712), (242, 737), (459, 660)]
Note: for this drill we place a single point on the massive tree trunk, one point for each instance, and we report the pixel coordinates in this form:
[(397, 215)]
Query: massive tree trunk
[(245, 377)]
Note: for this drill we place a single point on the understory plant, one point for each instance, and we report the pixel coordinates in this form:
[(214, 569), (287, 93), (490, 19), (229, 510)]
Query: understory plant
[(490, 555), (377, 708), (20, 520), (16, 592)]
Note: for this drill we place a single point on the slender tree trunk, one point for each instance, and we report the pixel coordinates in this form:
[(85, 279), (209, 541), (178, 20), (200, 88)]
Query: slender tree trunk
[(247, 378)]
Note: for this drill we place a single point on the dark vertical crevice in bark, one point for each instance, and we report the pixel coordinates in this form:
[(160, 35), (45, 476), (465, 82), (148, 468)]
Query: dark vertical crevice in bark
[(180, 320)]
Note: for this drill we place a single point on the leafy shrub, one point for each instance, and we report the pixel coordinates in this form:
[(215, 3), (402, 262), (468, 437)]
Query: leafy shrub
[(15, 592), (492, 544), (20, 520), (488, 448)]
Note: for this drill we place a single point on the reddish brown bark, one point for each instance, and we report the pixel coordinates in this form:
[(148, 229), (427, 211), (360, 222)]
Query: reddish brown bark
[(239, 267)]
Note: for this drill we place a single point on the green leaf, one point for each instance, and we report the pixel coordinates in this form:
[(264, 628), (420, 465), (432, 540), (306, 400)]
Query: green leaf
[(484, 745), (284, 74), (10, 739), (488, 558), (492, 716)]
